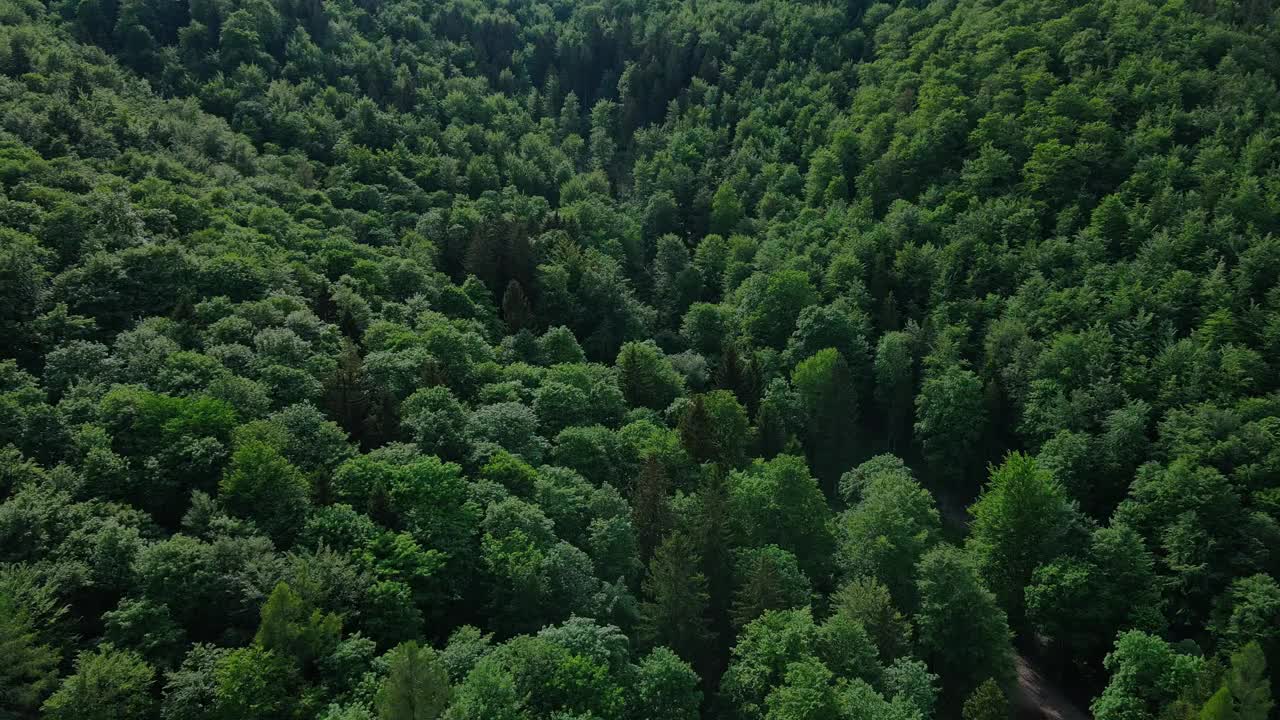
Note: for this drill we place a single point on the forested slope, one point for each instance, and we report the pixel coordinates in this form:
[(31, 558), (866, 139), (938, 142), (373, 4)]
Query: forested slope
[(634, 360)]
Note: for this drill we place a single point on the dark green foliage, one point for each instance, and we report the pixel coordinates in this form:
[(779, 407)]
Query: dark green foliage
[(962, 632), (675, 615), (262, 486), (31, 666)]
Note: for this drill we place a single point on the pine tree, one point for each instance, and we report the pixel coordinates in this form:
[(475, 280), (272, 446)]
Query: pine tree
[(1249, 685), (696, 433), (650, 507), (675, 614), (416, 686), (516, 311), (291, 628), (1219, 706), (987, 702), (715, 544)]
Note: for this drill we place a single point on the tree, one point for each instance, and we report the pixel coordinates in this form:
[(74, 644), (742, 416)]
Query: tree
[(963, 634), (771, 317), (910, 681), (778, 502), (1248, 684), (805, 694), (516, 311), (290, 628), (1022, 519), (650, 508), (867, 601), (714, 428), (675, 614), (894, 371), (827, 393), (254, 684), (646, 376), (1218, 707), (726, 210), (987, 702), (1079, 604), (107, 683), (264, 487), (766, 648), (893, 523), (30, 668), (950, 420), (416, 686), (1147, 674), (666, 687), (769, 578)]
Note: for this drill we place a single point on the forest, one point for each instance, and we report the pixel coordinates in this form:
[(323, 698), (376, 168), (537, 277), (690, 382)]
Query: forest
[(638, 359)]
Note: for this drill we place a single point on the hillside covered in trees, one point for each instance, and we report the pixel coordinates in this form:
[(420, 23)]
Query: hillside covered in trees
[(638, 360)]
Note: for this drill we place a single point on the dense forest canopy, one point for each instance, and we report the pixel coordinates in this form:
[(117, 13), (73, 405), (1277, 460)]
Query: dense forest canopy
[(622, 360)]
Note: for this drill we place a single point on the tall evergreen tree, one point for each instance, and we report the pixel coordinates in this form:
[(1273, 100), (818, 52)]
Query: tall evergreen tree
[(416, 686)]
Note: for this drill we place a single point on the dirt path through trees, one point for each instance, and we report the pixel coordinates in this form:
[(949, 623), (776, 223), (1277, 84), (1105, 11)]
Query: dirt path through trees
[(1038, 698)]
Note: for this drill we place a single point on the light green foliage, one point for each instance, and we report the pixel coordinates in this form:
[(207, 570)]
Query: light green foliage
[(778, 502), (1147, 674), (666, 688), (1248, 683), (290, 628), (106, 684), (416, 686), (646, 376), (988, 702), (891, 524), (1022, 519)]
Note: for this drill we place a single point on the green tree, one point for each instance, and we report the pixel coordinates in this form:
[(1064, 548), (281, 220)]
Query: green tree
[(30, 669), (665, 687), (291, 628), (769, 578), (416, 686), (827, 393), (264, 487), (253, 683), (646, 376), (867, 601), (894, 371), (1248, 683), (1022, 519), (778, 502), (771, 317), (726, 210), (893, 523), (676, 613), (950, 420), (806, 693), (987, 702), (963, 634), (1147, 674), (107, 683), (1218, 707)]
